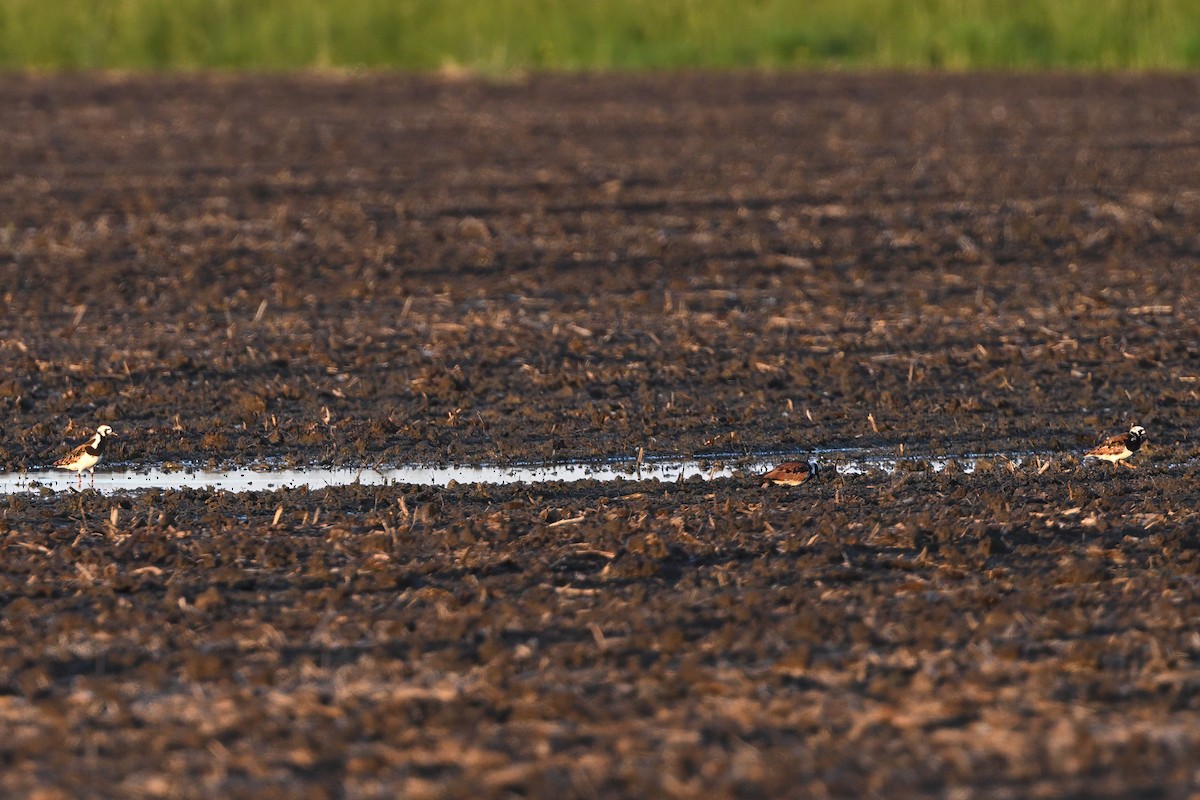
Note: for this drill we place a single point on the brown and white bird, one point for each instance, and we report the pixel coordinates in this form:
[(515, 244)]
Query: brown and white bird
[(792, 473), (87, 455), (1119, 447)]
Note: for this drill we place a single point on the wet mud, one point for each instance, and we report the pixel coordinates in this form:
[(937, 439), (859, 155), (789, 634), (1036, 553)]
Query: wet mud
[(380, 270)]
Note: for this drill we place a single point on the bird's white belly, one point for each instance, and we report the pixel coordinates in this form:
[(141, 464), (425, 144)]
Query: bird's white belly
[(1114, 457), (85, 461)]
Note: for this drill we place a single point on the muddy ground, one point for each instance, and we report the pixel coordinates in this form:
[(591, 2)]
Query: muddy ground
[(383, 269)]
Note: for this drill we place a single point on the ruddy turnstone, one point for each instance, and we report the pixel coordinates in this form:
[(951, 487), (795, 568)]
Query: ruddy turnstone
[(87, 455), (1120, 447), (792, 473)]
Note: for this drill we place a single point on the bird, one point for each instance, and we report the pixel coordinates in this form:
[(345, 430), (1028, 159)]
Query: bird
[(1119, 447), (792, 473), (87, 455)]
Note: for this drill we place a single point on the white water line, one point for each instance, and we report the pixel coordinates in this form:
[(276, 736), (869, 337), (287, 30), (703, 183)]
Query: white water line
[(257, 479)]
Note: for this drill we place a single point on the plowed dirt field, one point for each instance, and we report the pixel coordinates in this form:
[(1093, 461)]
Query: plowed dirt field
[(381, 269)]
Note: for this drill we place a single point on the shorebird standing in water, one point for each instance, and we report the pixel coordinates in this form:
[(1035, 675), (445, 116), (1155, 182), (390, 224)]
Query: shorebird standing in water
[(87, 455), (1119, 447)]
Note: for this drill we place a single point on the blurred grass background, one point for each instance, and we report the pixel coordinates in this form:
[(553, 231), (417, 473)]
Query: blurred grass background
[(501, 36)]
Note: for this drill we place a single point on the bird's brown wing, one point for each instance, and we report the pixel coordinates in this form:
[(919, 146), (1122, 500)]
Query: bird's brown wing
[(1111, 447), (73, 455), (788, 471)]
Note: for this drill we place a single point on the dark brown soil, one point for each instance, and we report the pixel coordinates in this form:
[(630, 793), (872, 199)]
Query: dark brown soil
[(391, 269)]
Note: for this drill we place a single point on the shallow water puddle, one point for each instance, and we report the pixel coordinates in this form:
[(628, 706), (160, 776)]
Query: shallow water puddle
[(254, 480), (245, 479)]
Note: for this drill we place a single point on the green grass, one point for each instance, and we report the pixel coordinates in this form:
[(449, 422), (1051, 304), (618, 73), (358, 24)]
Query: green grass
[(499, 36)]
